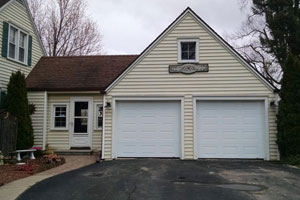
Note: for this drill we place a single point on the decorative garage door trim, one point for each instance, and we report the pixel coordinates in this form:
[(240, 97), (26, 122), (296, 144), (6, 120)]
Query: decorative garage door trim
[(230, 98), (158, 99)]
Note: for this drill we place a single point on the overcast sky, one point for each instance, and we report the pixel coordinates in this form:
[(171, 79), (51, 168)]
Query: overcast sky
[(129, 26)]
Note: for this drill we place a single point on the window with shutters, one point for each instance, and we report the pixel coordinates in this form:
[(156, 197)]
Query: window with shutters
[(188, 51), (17, 44)]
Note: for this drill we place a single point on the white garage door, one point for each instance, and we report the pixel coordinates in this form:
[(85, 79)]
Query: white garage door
[(230, 129), (148, 129)]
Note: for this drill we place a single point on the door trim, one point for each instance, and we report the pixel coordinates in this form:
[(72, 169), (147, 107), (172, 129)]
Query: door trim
[(114, 134), (90, 119), (196, 99)]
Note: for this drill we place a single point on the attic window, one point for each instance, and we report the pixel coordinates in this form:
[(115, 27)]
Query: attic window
[(188, 51)]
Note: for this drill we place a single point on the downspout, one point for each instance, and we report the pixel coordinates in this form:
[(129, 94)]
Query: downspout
[(103, 127), (45, 119)]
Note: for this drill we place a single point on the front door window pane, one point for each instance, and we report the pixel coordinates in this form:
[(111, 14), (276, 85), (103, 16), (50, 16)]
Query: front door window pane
[(81, 117), (81, 125), (81, 109)]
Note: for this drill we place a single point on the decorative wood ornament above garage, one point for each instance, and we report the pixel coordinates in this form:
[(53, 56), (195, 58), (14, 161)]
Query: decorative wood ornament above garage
[(188, 68)]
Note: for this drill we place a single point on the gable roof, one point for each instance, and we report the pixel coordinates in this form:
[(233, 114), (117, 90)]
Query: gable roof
[(188, 10), (5, 3), (77, 73)]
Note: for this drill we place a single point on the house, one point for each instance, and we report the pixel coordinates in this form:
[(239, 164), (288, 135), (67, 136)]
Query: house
[(20, 44), (188, 95)]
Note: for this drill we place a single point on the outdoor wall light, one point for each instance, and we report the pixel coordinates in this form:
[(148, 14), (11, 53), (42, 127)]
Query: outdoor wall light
[(108, 105)]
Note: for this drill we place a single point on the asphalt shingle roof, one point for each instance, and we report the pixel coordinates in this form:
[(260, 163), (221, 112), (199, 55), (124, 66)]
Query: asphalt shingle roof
[(77, 73)]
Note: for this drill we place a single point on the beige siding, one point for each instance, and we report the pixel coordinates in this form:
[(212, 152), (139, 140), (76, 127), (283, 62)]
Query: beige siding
[(37, 98), (16, 14), (59, 140), (227, 76)]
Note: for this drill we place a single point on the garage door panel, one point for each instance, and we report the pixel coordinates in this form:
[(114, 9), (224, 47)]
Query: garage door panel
[(230, 129), (157, 128)]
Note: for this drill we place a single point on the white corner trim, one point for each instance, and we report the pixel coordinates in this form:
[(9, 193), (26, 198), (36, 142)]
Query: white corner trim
[(266, 145), (209, 30), (103, 129), (52, 116), (45, 120)]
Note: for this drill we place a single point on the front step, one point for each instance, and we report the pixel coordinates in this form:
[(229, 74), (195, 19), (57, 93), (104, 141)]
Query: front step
[(74, 152)]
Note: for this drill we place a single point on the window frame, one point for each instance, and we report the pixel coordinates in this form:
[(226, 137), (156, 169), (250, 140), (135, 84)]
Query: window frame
[(17, 45), (53, 106), (196, 60), (96, 127)]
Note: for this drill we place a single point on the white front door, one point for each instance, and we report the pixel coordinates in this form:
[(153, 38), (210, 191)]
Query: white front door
[(230, 129), (81, 122), (148, 128)]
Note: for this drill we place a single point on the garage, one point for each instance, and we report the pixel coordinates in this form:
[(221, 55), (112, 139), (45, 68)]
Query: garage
[(230, 129), (148, 128)]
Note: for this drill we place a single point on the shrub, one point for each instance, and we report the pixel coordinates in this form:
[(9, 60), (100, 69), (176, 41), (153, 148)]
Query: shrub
[(288, 118), (16, 102)]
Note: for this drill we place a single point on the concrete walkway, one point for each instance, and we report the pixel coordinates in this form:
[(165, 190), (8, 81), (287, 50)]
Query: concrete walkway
[(13, 189)]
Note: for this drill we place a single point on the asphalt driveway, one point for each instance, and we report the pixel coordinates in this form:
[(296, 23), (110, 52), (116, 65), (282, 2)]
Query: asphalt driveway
[(171, 179)]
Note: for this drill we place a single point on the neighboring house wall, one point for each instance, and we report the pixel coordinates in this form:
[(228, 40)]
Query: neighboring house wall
[(16, 14), (59, 139), (226, 77)]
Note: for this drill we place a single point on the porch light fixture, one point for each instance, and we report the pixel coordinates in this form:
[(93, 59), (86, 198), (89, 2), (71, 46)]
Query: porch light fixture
[(108, 105)]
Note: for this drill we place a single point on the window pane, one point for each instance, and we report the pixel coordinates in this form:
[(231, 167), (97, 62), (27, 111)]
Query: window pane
[(60, 117), (99, 116), (192, 46), (192, 55), (81, 109), (100, 122), (184, 46), (80, 125), (184, 55), (21, 55), (60, 111), (13, 35), (60, 122), (188, 50), (22, 41), (12, 51)]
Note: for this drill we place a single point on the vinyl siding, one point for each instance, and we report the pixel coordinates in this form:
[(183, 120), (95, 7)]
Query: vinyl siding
[(227, 76), (37, 98), (16, 14), (59, 139)]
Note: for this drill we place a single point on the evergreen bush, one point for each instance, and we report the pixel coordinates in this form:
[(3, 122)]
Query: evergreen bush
[(16, 102), (288, 118)]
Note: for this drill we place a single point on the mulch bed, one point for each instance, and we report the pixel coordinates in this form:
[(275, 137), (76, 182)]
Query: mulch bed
[(12, 172)]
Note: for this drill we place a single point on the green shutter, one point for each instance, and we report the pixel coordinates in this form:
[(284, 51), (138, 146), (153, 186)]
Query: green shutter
[(4, 39), (29, 51)]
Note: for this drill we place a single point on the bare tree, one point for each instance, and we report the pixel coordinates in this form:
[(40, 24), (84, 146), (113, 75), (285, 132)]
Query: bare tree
[(247, 42), (64, 27)]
